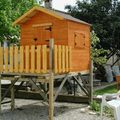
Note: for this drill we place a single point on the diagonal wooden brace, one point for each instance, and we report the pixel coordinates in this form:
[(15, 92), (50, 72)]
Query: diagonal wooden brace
[(78, 82), (60, 87), (43, 95), (10, 87)]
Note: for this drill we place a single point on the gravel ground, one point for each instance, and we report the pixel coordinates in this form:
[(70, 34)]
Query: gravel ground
[(35, 110)]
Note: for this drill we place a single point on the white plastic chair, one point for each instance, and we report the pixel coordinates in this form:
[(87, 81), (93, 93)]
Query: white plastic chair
[(111, 101)]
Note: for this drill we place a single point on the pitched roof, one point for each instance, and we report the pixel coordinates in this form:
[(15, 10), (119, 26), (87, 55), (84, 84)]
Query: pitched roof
[(69, 17), (58, 14)]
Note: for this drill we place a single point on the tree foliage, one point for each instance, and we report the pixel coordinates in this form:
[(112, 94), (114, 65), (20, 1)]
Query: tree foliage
[(104, 15), (10, 10), (98, 55)]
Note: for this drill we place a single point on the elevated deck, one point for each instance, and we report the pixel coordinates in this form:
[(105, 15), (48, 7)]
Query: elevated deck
[(41, 66)]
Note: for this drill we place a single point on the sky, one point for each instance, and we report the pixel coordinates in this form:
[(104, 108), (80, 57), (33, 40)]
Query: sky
[(60, 4)]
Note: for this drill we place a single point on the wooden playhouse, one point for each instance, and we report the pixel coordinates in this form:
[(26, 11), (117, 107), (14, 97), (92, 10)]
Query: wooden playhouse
[(40, 60), (39, 24)]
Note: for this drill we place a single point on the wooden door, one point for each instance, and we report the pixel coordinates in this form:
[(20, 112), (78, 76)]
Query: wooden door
[(41, 35)]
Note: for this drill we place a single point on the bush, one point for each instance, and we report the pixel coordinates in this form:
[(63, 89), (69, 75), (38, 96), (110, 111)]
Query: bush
[(95, 106), (98, 54)]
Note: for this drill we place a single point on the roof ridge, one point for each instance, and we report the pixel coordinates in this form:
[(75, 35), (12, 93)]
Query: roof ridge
[(53, 12)]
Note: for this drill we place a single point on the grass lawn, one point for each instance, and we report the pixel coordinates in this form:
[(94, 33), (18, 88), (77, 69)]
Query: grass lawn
[(95, 105), (111, 89)]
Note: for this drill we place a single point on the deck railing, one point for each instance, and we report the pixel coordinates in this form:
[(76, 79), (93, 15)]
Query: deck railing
[(34, 59)]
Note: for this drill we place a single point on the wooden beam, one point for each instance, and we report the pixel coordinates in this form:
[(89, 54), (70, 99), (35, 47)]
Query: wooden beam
[(42, 25), (6, 102), (22, 94), (43, 95), (60, 87), (9, 88), (91, 81), (81, 86), (51, 81)]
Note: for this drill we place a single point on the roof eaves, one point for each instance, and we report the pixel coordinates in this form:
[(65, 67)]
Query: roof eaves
[(71, 18), (23, 16), (52, 13), (80, 21)]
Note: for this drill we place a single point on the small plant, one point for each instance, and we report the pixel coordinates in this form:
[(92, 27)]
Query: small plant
[(109, 112), (95, 106)]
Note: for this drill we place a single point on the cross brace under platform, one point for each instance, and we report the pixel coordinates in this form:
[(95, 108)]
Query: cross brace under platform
[(40, 92)]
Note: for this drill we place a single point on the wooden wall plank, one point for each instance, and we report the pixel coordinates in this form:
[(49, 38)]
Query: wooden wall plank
[(70, 56), (63, 58), (11, 59), (6, 59), (44, 58), (66, 57), (55, 59), (59, 59), (21, 59), (1, 59), (32, 58), (38, 58), (27, 60), (16, 59)]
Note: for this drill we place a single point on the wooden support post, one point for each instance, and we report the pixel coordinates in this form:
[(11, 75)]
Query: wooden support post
[(0, 95), (91, 81), (12, 97), (51, 81)]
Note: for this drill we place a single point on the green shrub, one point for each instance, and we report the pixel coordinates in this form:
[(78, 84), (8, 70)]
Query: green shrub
[(98, 54), (95, 106)]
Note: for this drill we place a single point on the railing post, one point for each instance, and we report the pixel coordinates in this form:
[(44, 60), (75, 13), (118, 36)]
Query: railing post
[(51, 81)]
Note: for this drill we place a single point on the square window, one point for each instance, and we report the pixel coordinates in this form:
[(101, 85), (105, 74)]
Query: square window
[(79, 40)]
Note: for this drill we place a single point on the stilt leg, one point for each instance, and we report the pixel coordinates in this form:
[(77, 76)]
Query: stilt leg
[(51, 97), (51, 81)]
